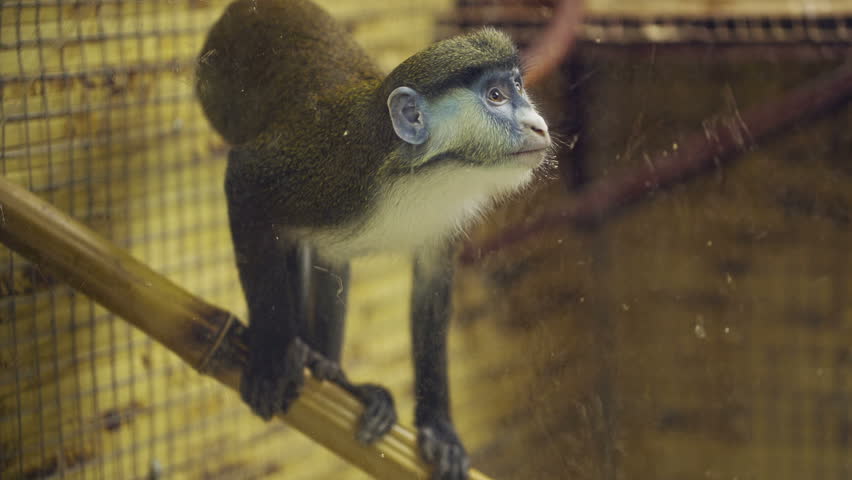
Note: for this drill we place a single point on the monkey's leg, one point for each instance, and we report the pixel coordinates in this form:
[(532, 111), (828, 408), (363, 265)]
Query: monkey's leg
[(331, 290), (331, 285), (437, 438)]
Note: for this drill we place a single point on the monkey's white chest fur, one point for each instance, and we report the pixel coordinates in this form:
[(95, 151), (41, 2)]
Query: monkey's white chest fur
[(420, 211)]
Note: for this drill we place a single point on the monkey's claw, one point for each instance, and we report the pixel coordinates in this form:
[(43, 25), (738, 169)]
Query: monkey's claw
[(440, 446), (273, 381), (379, 412)]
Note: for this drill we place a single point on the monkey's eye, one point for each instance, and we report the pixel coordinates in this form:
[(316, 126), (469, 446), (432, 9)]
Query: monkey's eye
[(518, 86), (495, 96)]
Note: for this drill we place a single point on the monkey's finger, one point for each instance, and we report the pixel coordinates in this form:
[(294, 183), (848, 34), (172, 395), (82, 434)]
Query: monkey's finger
[(444, 466), (291, 389), (428, 445), (262, 397), (459, 463), (387, 422), (377, 420), (452, 462), (289, 385), (378, 411), (368, 431), (366, 435)]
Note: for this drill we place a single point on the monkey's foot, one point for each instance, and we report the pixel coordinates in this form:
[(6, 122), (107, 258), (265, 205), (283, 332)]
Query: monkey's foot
[(440, 446), (379, 412), (274, 378)]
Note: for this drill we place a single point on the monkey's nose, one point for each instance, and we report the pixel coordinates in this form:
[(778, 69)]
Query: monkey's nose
[(535, 123)]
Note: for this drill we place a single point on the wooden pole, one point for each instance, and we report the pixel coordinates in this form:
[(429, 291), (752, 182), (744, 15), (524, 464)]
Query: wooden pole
[(205, 336)]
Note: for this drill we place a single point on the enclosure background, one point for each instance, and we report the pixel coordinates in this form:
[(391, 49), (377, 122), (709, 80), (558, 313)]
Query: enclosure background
[(703, 334)]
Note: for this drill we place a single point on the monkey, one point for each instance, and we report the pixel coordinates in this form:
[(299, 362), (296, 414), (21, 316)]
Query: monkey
[(329, 160)]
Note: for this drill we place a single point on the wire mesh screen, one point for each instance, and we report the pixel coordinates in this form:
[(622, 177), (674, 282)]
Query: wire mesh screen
[(98, 116), (703, 331), (703, 335)]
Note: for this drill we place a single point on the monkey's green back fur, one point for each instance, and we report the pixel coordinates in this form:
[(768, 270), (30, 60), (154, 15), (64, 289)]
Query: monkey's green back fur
[(286, 84), (305, 108), (264, 59)]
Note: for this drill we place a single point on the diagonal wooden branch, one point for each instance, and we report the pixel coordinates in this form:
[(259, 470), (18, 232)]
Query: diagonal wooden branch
[(556, 42), (201, 334)]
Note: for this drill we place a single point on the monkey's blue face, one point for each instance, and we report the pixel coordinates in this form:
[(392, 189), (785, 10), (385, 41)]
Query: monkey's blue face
[(507, 104), (490, 122), (459, 151)]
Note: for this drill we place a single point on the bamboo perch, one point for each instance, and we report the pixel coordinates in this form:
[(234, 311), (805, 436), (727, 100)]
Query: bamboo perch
[(205, 336)]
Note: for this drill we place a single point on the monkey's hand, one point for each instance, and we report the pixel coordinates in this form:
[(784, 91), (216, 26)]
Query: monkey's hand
[(379, 412), (440, 446), (274, 377)]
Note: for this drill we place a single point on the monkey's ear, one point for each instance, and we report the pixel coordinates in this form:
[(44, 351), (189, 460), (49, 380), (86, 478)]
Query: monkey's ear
[(408, 115)]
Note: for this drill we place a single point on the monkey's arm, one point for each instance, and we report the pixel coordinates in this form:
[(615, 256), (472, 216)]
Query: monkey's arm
[(430, 313), (271, 272)]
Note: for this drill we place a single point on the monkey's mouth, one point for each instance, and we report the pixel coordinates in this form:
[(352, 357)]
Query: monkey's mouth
[(531, 158)]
